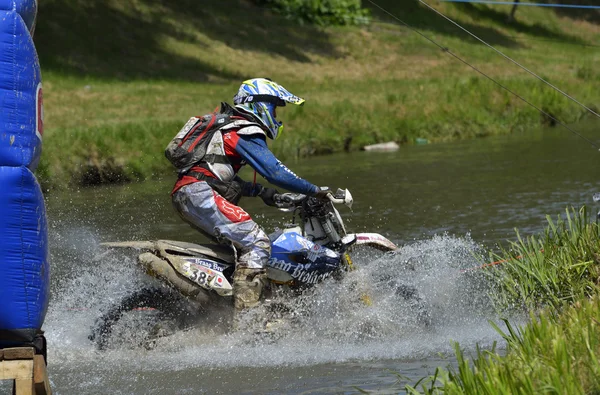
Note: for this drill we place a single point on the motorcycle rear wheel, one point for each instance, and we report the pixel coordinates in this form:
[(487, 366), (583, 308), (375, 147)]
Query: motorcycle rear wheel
[(140, 318)]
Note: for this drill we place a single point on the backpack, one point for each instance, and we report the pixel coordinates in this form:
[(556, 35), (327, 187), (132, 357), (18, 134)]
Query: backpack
[(188, 147)]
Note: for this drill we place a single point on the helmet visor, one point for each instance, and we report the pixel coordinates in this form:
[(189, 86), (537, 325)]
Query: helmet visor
[(263, 90)]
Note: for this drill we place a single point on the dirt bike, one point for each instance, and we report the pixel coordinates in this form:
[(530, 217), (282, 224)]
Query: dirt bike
[(312, 248)]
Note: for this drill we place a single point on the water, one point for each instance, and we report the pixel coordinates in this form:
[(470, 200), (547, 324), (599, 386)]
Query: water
[(442, 203)]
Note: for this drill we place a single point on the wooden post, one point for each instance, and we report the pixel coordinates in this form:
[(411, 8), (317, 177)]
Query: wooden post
[(26, 369)]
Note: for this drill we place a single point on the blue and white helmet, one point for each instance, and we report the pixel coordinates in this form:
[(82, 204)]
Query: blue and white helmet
[(258, 97)]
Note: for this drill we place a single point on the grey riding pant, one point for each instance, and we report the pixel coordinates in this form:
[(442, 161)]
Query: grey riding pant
[(203, 208)]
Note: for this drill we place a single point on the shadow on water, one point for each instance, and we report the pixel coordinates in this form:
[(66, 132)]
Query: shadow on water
[(106, 39)]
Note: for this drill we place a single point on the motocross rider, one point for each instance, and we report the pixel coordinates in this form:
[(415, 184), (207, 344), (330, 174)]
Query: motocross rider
[(206, 196)]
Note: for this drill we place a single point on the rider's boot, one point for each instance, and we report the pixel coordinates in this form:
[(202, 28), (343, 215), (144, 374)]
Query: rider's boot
[(248, 286)]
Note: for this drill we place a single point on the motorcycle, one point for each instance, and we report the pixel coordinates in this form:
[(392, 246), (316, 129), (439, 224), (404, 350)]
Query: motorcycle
[(310, 249)]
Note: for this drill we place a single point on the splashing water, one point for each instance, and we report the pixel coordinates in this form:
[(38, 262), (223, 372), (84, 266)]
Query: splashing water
[(395, 308), (405, 304)]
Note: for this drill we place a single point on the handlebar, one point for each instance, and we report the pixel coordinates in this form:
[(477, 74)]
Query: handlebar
[(336, 200), (289, 200)]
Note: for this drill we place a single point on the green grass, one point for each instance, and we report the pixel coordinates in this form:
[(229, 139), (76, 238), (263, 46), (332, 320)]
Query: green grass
[(554, 278), (121, 77), (560, 266), (553, 354)]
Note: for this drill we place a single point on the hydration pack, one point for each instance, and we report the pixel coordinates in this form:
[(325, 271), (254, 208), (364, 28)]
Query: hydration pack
[(188, 147)]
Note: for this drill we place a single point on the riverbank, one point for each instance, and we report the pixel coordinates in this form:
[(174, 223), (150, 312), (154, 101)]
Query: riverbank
[(554, 277), (121, 78), (555, 354)]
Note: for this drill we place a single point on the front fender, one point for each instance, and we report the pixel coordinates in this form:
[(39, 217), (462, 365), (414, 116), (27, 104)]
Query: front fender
[(374, 240)]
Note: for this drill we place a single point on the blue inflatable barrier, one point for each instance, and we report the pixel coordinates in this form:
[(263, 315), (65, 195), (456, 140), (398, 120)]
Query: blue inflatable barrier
[(24, 263)]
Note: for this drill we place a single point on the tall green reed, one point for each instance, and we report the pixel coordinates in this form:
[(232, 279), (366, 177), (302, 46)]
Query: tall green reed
[(554, 354), (559, 266)]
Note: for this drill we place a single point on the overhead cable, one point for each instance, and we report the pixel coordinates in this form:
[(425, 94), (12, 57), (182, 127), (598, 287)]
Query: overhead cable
[(487, 76), (523, 4), (509, 58)]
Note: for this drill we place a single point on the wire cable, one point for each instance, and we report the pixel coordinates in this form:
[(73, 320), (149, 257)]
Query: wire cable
[(445, 49), (594, 7), (509, 58)]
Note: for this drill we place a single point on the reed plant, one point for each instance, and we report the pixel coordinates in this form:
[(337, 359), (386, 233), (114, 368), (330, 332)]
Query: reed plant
[(554, 277), (553, 354), (561, 265)]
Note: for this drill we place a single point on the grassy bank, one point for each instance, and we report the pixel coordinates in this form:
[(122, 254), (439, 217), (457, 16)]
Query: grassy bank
[(121, 77), (554, 354), (560, 266), (553, 276)]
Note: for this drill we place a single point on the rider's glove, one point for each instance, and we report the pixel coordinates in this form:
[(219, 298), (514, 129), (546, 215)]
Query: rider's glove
[(323, 193), (266, 194)]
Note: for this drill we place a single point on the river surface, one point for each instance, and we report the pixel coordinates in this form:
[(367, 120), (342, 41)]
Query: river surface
[(444, 204)]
